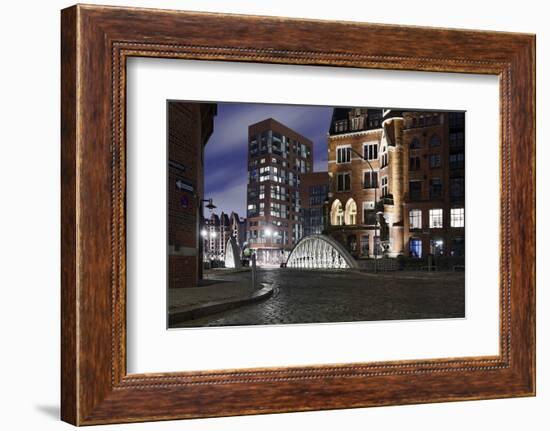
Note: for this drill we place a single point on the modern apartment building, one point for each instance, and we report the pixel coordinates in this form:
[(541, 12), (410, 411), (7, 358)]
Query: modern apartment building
[(277, 157), (314, 187), (397, 182)]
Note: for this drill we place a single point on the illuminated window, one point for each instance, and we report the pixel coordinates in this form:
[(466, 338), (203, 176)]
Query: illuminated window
[(337, 213), (350, 215), (415, 248), (436, 218), (415, 219), (436, 247), (457, 217)]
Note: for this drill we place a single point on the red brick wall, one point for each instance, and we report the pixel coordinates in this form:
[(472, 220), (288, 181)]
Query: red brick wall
[(185, 156)]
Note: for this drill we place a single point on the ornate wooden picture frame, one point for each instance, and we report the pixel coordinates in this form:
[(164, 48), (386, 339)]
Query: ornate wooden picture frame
[(96, 41)]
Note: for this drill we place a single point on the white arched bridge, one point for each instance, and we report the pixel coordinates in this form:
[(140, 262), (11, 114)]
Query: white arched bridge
[(232, 254), (320, 251)]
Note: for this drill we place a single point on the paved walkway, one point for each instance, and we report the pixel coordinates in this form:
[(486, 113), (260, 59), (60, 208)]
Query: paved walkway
[(307, 296), (221, 290)]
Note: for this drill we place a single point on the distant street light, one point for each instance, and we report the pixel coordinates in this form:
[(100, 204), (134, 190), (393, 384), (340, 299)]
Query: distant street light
[(204, 233)]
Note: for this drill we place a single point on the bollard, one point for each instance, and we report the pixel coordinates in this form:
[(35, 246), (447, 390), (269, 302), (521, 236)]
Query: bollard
[(253, 259)]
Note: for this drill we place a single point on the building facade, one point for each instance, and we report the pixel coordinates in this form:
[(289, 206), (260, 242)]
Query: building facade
[(238, 229), (190, 125), (277, 156), (397, 182), (314, 188), (217, 229)]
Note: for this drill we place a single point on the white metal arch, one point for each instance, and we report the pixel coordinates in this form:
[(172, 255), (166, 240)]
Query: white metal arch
[(320, 251), (232, 257)]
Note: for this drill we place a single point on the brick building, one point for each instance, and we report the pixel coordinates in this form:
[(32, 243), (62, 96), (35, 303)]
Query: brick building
[(397, 182), (314, 187), (216, 232), (277, 156), (190, 125)]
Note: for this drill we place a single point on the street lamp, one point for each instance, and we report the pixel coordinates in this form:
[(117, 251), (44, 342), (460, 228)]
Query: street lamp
[(377, 227), (210, 205)]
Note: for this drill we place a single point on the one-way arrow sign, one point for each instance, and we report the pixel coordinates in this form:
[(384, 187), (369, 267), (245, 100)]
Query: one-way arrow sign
[(182, 185)]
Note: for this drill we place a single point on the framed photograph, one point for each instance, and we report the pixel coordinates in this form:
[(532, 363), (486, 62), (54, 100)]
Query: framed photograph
[(260, 217)]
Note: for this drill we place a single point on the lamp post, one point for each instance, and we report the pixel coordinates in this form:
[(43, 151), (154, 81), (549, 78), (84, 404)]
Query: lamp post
[(203, 231), (377, 227)]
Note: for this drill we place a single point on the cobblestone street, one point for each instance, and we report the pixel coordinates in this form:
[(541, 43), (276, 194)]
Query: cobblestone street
[(303, 296)]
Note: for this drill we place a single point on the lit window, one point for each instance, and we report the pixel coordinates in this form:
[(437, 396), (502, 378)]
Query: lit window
[(415, 219), (436, 247), (337, 213), (343, 154), (457, 217), (436, 218), (350, 216), (415, 248)]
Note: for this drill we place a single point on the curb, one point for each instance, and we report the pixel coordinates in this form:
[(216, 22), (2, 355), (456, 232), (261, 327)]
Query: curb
[(214, 307)]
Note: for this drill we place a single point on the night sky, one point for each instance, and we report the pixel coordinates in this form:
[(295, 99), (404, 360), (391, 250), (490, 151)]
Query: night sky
[(225, 154)]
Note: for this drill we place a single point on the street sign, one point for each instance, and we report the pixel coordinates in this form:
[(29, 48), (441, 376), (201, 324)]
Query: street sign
[(185, 185)]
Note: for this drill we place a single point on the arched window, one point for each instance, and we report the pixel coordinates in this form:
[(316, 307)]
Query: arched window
[(337, 213), (350, 216), (435, 141), (415, 143)]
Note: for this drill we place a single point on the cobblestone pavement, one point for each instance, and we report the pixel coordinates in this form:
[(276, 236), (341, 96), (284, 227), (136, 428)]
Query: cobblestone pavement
[(216, 286), (303, 296)]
